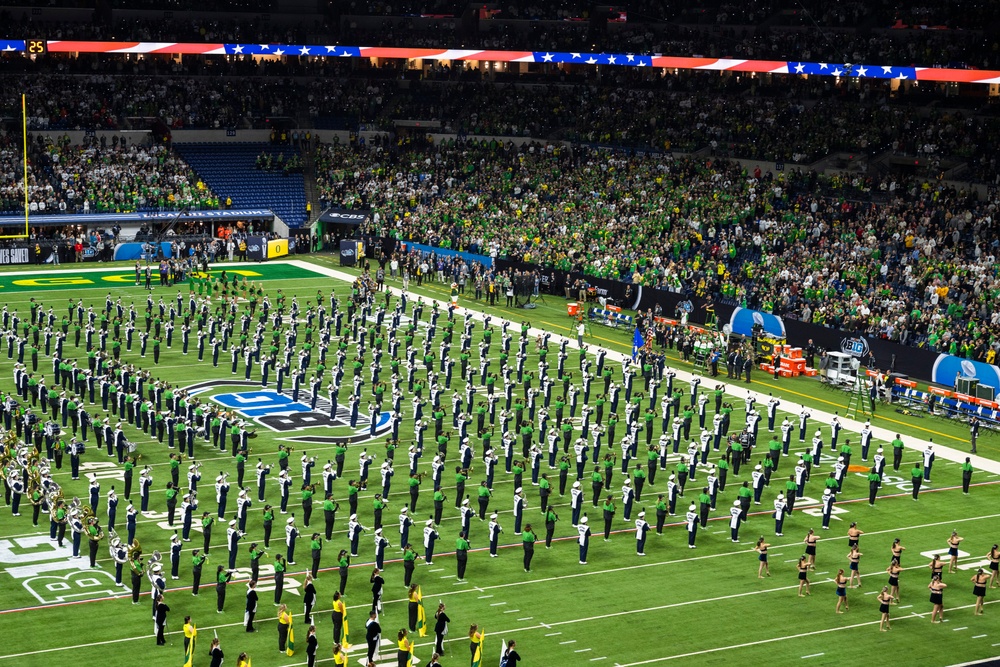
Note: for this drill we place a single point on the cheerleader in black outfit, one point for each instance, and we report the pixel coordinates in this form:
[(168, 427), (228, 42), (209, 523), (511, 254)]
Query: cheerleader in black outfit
[(994, 556), (761, 549), (979, 580), (936, 566), (854, 557), (884, 598), (953, 543), (897, 551), (937, 598), (810, 542), (803, 575), (841, 582), (894, 569)]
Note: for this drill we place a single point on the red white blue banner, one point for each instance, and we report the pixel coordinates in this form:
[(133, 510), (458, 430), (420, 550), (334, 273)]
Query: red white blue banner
[(861, 71)]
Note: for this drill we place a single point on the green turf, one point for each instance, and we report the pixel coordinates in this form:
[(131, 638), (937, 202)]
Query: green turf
[(61, 279), (551, 315), (705, 604)]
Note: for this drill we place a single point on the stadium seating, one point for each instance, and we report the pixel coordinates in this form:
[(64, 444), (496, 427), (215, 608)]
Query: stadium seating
[(229, 170)]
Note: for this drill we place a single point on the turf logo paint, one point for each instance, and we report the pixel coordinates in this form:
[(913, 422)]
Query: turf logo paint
[(279, 413), (42, 568), (817, 510)]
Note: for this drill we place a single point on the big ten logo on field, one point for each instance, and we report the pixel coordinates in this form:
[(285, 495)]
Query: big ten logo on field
[(103, 470), (162, 520), (264, 583), (273, 410), (45, 572), (279, 413), (817, 511), (903, 484), (969, 565)]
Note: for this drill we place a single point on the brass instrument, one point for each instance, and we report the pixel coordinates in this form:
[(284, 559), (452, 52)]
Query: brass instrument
[(100, 531), (134, 550), (118, 552), (151, 564), (86, 514)]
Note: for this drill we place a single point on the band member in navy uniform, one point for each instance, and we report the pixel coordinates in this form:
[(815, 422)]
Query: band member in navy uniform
[(780, 507), (829, 498), (928, 461), (583, 539), (692, 524), (494, 530), (641, 528)]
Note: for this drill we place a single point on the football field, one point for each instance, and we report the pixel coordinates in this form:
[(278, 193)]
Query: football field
[(672, 605)]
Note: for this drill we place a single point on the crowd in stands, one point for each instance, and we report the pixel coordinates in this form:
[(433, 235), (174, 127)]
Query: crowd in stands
[(99, 176), (790, 120), (918, 269), (123, 101)]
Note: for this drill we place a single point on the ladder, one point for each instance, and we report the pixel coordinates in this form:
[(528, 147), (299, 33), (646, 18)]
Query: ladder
[(857, 403), (711, 329)]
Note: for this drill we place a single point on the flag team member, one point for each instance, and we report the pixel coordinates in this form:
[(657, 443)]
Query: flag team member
[(251, 607)]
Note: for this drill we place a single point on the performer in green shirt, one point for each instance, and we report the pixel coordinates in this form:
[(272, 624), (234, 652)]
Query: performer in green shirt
[(966, 475), (461, 555)]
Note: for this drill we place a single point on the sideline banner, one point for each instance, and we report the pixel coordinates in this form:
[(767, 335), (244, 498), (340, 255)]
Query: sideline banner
[(256, 248), (947, 368), (743, 319), (278, 248), (22, 252), (485, 260), (16, 255), (133, 251)]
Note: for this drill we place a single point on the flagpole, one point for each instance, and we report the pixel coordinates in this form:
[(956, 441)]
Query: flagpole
[(24, 129)]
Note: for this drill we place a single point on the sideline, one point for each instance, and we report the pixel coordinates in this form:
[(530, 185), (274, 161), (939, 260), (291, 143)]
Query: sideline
[(548, 626), (786, 637)]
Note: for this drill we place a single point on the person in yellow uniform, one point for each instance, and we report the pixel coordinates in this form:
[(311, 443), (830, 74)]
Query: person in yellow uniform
[(339, 656), (475, 642), (243, 660), (414, 610), (404, 652), (190, 635), (340, 621), (284, 625)]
